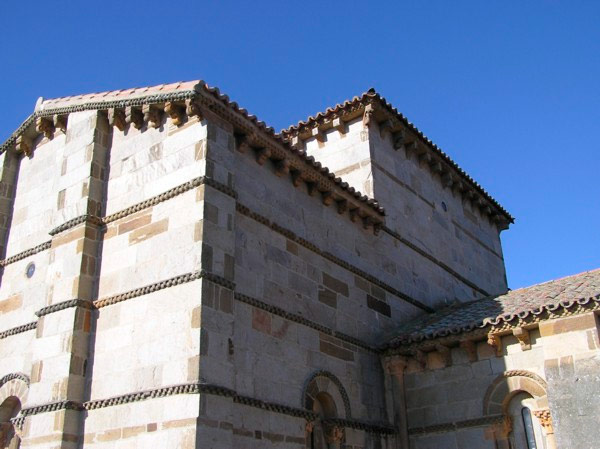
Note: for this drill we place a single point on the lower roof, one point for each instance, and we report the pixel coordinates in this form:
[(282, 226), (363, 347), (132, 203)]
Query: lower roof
[(564, 293)]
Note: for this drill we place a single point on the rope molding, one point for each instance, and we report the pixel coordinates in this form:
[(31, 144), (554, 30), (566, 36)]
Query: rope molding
[(453, 426), (64, 305), (19, 329), (23, 254), (199, 388), (326, 255)]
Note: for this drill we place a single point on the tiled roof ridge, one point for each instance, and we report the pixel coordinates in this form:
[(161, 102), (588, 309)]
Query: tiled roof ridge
[(175, 92), (481, 323), (372, 95)]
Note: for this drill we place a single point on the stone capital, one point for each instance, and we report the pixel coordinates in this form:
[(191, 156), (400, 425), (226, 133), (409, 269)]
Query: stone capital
[(396, 364), (545, 419)]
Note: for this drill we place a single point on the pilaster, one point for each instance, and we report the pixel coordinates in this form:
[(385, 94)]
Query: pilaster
[(394, 367)]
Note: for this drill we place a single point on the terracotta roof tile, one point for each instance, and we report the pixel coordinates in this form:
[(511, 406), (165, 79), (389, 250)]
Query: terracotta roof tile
[(493, 310)]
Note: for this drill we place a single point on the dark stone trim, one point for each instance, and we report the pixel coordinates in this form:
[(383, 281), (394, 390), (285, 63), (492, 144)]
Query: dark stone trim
[(301, 320), (64, 305), (438, 262), (28, 252), (454, 426), (51, 407), (21, 376), (171, 193), (322, 373), (376, 428), (18, 329), (161, 285), (353, 269), (86, 218)]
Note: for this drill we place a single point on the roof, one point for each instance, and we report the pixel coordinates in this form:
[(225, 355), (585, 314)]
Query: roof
[(564, 293), (373, 97), (179, 91)]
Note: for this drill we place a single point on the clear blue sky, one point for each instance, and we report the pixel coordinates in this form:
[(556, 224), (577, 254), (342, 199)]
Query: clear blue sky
[(511, 90)]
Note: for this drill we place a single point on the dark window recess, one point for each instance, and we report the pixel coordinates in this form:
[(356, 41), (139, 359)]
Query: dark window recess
[(379, 306), (444, 207)]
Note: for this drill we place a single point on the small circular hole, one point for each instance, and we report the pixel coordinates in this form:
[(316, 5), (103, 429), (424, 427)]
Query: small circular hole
[(444, 207), (30, 270)]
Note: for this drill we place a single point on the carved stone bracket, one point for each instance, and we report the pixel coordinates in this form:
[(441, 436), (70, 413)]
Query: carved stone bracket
[(45, 125), (445, 353), (116, 117), (192, 108), (152, 115), (176, 112), (523, 337), (60, 122), (339, 124), (134, 116), (368, 115), (470, 348), (495, 341), (24, 145)]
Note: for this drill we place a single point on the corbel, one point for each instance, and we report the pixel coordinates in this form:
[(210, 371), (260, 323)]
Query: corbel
[(436, 166), (447, 179), (425, 158), (244, 142), (24, 145), (470, 348), (386, 127), (297, 142), (45, 125), (398, 139), (523, 337), (192, 108), (354, 214), (317, 133), (342, 206), (176, 112), (135, 116), (367, 115), (311, 187), (327, 198), (495, 341), (339, 125), (152, 115), (262, 154), (411, 148), (116, 117), (377, 227), (282, 167), (60, 122), (367, 222), (421, 358), (297, 178), (445, 353)]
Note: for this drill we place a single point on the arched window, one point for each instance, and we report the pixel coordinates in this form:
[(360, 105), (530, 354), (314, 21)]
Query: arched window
[(8, 410), (526, 431)]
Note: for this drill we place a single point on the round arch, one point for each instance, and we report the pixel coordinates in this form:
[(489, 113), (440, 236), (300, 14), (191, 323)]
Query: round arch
[(325, 382), (510, 383), (14, 388)]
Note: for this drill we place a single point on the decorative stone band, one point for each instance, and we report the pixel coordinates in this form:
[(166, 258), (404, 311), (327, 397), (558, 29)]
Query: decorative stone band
[(428, 256), (311, 246), (202, 388), (28, 252), (18, 330), (51, 407), (87, 218), (301, 320), (177, 280), (64, 305), (21, 376), (545, 419), (454, 426)]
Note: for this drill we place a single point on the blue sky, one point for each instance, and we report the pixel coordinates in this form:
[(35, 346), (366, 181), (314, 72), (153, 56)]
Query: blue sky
[(509, 89)]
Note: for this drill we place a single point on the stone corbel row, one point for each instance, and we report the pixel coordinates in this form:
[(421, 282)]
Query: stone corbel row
[(47, 126), (151, 115), (414, 147), (286, 166), (521, 334)]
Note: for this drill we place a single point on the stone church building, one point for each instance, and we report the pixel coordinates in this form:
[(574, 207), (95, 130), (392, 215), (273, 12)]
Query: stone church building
[(175, 274)]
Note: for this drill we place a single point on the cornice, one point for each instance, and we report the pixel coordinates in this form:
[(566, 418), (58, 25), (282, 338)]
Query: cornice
[(374, 108)]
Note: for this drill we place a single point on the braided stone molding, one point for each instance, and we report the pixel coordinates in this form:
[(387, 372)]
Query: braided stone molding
[(429, 257), (86, 218), (301, 320), (64, 305), (161, 285), (453, 426), (311, 246), (273, 407), (175, 191), (18, 330), (12, 376), (28, 252), (51, 407), (326, 374)]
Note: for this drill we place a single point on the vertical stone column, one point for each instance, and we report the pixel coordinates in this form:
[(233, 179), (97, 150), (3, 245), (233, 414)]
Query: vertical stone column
[(61, 350), (9, 168), (217, 232), (394, 369)]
